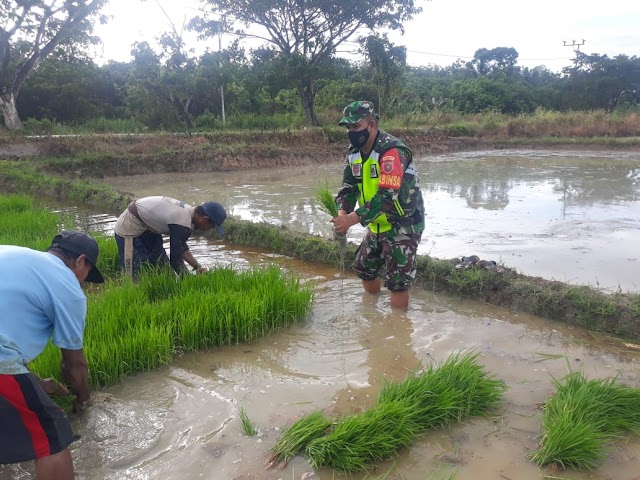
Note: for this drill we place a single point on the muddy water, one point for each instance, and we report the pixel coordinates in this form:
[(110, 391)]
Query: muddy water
[(182, 421), (571, 217)]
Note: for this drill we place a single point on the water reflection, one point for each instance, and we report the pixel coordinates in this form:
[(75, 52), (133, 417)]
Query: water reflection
[(564, 216)]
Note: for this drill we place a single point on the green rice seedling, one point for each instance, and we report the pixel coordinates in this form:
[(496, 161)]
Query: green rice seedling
[(457, 388), (326, 201), (15, 203), (22, 223), (296, 438), (358, 441), (133, 327), (582, 417), (247, 426)]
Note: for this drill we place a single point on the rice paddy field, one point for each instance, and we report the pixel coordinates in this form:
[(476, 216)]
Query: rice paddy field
[(192, 387)]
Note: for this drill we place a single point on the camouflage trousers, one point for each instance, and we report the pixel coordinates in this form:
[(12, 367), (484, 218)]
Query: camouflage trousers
[(394, 252)]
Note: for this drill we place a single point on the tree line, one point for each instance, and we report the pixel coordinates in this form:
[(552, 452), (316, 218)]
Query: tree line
[(295, 76)]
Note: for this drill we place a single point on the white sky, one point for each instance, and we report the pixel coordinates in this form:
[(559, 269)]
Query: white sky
[(445, 31)]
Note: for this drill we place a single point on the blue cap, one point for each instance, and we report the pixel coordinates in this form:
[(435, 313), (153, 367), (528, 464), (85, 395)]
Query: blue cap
[(216, 214)]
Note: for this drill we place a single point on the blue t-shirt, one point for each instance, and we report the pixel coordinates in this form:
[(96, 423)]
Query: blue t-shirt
[(40, 298)]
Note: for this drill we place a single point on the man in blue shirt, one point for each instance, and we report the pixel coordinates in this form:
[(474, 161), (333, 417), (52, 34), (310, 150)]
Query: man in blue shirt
[(41, 299)]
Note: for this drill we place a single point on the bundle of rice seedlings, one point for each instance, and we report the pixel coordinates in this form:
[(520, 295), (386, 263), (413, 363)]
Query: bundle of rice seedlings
[(359, 440), (456, 389), (582, 417), (326, 202), (296, 438)]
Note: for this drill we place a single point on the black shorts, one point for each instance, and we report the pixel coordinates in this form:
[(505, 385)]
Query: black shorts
[(32, 425)]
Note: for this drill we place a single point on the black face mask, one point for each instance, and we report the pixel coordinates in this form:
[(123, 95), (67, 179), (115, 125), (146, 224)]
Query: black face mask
[(358, 138)]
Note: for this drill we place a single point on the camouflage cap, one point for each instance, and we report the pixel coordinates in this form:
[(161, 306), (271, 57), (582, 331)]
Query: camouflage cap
[(356, 111)]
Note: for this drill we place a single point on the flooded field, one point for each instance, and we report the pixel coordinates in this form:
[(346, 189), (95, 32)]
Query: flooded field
[(565, 216), (571, 217)]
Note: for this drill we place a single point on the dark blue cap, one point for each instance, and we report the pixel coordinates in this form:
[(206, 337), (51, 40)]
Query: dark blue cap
[(216, 214), (80, 243)]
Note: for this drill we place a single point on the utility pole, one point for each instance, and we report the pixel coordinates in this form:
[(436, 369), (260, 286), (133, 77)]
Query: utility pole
[(220, 26), (574, 44), (576, 48)]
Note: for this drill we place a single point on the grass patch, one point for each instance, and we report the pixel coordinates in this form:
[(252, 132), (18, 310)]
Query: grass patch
[(29, 225), (27, 178), (582, 418)]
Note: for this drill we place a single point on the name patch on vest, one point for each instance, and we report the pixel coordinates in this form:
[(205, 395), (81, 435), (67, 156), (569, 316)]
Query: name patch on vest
[(373, 172), (391, 168), (356, 169)]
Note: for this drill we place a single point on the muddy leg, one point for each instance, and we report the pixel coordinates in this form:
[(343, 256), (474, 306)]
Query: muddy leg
[(55, 467), (400, 299), (371, 286)]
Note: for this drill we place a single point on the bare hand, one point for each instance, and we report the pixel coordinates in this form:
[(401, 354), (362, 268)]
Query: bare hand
[(77, 406), (201, 269), (343, 222), (53, 387)]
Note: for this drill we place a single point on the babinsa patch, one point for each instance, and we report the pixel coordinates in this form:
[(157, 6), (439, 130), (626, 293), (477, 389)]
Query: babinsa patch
[(391, 170)]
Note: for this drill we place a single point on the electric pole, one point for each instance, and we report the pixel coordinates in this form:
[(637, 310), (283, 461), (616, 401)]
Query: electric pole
[(576, 48), (220, 26), (574, 44)]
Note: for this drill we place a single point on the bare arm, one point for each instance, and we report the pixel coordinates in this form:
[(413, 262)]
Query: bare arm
[(76, 373), (188, 257)]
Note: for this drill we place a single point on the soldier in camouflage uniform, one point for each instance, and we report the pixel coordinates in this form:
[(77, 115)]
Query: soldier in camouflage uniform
[(381, 178)]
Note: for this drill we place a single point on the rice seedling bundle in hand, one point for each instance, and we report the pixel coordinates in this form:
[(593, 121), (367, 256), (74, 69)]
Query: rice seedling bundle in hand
[(326, 202), (296, 438), (582, 418)]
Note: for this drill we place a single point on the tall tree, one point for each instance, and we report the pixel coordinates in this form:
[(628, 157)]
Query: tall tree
[(307, 32), (597, 81), (386, 63), (500, 60), (29, 31)]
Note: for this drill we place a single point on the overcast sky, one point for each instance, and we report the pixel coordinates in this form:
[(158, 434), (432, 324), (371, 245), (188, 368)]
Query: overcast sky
[(543, 32)]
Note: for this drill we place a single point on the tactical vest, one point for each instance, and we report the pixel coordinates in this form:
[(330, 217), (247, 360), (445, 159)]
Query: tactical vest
[(367, 175)]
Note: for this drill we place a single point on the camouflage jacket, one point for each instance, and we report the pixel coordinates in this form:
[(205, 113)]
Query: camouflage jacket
[(408, 196)]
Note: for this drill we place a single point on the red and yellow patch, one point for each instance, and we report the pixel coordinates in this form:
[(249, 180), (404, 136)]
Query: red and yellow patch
[(390, 170)]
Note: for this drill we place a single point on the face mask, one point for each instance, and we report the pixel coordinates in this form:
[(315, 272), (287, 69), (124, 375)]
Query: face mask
[(358, 138)]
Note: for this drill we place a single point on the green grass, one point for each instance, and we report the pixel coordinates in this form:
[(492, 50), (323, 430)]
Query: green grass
[(29, 225), (582, 418), (28, 178)]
